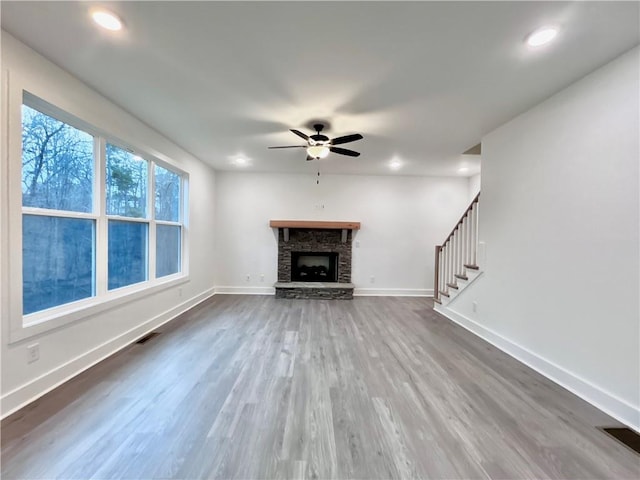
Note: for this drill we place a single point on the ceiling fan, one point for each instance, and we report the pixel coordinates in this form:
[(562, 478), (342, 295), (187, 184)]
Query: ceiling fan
[(318, 145)]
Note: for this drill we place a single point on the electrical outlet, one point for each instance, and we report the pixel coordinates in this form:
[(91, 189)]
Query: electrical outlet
[(372, 279), (248, 277), (262, 277), (33, 352), (474, 305)]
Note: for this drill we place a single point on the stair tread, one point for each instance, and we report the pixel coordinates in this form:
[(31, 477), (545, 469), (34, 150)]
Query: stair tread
[(461, 277), (452, 285), (472, 267), (437, 300), (446, 294)]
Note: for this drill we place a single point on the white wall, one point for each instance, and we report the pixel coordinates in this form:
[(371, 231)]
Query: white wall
[(402, 218), (559, 216), (70, 349), (474, 186)]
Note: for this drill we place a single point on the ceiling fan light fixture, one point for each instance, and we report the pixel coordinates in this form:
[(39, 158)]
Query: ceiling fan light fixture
[(318, 151)]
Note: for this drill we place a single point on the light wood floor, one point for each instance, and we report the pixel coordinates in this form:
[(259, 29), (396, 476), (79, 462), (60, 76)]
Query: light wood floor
[(251, 387)]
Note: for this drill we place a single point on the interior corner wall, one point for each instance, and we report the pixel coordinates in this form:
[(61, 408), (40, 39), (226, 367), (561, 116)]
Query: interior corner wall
[(559, 215), (68, 350), (474, 186), (402, 218)]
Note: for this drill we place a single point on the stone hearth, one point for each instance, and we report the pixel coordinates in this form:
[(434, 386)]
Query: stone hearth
[(315, 290)]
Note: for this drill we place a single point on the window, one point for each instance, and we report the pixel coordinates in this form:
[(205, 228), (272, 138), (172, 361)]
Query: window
[(126, 186), (66, 272), (167, 195), (168, 228), (82, 240), (127, 253), (58, 225), (126, 183), (167, 250), (57, 164)]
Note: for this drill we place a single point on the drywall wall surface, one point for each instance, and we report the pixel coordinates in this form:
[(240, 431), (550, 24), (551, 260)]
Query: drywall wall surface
[(474, 186), (402, 218), (559, 218), (73, 347)]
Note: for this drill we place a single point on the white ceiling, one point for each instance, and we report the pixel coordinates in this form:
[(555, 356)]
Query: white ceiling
[(422, 81)]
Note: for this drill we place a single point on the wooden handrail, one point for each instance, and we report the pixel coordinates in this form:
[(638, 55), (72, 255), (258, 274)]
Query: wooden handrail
[(475, 200)]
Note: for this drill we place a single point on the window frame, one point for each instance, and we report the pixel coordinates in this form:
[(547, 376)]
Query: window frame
[(26, 326)]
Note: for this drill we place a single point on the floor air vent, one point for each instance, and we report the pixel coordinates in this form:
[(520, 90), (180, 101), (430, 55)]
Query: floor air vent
[(147, 337), (625, 436)]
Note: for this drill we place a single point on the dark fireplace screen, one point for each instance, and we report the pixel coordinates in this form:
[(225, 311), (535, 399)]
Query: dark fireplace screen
[(314, 267)]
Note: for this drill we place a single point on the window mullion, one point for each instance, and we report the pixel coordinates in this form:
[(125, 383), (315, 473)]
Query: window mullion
[(102, 228), (184, 220), (151, 214)]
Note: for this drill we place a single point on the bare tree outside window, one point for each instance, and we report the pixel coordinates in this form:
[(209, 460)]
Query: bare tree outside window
[(57, 164), (167, 194)]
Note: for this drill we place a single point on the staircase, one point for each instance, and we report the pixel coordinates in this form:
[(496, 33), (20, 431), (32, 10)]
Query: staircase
[(456, 264)]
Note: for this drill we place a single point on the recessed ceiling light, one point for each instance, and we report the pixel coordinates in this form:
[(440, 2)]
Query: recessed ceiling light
[(542, 36), (239, 159), (395, 164), (107, 20)]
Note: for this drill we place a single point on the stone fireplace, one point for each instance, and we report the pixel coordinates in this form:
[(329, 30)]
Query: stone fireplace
[(314, 259)]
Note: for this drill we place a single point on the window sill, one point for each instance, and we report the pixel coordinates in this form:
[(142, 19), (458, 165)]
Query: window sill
[(83, 309)]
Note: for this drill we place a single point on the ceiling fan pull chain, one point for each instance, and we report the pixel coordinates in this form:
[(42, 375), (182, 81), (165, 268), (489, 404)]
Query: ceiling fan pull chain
[(318, 179)]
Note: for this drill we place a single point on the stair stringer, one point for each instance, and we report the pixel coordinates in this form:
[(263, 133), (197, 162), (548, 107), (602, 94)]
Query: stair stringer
[(472, 276)]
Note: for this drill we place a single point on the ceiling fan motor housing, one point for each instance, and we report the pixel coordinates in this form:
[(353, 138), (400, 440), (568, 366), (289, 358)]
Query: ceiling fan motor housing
[(318, 138)]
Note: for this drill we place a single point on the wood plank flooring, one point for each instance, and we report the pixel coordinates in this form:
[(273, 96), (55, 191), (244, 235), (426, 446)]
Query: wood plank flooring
[(251, 387)]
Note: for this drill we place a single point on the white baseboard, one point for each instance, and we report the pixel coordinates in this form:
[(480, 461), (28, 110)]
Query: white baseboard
[(596, 396), (358, 292), (246, 290), (27, 393), (392, 292)]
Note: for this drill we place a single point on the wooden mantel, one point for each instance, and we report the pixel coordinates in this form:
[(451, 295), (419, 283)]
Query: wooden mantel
[(312, 224)]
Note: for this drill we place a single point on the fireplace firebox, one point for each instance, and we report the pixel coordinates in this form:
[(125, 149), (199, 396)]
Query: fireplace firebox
[(314, 266)]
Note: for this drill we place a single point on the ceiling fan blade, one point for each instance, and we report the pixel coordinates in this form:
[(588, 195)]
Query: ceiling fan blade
[(300, 134), (309, 158), (292, 146), (344, 151), (346, 139)]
